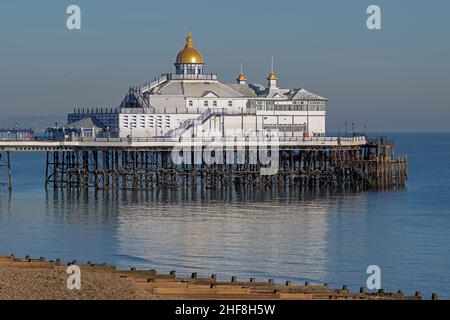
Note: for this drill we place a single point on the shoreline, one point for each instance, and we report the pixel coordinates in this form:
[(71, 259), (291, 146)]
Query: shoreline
[(38, 279)]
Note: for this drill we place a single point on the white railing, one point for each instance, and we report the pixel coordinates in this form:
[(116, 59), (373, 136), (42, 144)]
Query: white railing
[(186, 125), (170, 76), (170, 142), (151, 85), (200, 138), (211, 76)]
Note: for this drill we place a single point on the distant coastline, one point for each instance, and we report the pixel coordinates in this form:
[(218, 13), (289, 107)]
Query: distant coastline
[(36, 123)]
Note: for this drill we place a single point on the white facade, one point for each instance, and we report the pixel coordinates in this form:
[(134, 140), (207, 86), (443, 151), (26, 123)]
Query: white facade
[(190, 102)]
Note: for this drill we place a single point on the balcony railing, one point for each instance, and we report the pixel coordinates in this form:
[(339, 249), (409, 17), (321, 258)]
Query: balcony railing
[(247, 138), (173, 76), (88, 111)]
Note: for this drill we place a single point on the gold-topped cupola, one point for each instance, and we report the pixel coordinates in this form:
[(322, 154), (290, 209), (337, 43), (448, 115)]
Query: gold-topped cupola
[(272, 76), (241, 79), (189, 54), (189, 60)]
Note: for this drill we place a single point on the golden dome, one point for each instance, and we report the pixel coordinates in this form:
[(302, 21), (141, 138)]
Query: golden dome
[(272, 76), (189, 54), (241, 77)]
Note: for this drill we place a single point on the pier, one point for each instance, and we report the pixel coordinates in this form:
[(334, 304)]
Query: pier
[(308, 163)]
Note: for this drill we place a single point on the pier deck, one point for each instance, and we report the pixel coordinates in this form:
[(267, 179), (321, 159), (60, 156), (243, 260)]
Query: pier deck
[(164, 142), (352, 163)]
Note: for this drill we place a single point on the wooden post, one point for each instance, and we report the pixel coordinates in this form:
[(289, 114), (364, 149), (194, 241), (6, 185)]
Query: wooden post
[(370, 166)]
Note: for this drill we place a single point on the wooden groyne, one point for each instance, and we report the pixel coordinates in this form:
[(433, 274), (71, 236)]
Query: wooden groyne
[(372, 165), (195, 287)]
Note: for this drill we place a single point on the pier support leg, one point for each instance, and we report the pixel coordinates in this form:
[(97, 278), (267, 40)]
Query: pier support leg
[(358, 168)]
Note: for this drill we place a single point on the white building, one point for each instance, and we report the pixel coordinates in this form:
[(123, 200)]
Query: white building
[(191, 101)]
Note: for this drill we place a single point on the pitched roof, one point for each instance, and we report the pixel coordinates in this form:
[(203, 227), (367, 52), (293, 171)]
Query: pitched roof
[(89, 122), (243, 89), (209, 94), (205, 89), (302, 94), (196, 89)]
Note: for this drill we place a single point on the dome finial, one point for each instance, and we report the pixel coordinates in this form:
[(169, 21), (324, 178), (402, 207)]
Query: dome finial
[(189, 38)]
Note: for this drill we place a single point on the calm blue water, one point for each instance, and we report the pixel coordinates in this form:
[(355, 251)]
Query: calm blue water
[(321, 238)]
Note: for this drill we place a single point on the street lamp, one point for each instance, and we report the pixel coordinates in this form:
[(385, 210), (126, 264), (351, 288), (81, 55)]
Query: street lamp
[(307, 117)]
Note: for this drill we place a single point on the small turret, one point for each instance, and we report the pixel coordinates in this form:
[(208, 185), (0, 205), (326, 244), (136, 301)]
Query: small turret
[(241, 79), (272, 78)]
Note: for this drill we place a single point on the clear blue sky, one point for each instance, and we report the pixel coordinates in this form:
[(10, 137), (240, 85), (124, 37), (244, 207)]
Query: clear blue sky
[(394, 79)]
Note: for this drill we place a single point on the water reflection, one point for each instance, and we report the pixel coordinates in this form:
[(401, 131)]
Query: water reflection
[(277, 233), (245, 232), (5, 201)]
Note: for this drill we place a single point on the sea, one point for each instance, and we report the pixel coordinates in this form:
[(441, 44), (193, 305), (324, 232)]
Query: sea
[(323, 237)]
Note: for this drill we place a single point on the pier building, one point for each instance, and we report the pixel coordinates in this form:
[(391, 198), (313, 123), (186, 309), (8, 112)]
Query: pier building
[(192, 101)]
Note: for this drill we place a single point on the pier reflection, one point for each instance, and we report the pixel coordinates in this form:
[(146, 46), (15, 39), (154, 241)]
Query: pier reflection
[(245, 232), (5, 202), (279, 233)]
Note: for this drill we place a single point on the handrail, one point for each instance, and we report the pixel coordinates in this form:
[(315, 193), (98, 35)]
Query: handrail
[(201, 138), (170, 76), (210, 112), (151, 85)]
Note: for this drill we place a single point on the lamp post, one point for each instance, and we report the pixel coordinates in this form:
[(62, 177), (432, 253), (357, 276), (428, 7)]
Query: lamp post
[(307, 118), (292, 128)]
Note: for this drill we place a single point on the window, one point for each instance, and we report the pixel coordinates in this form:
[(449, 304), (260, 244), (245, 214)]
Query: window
[(191, 103), (214, 103), (206, 104), (230, 103)]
